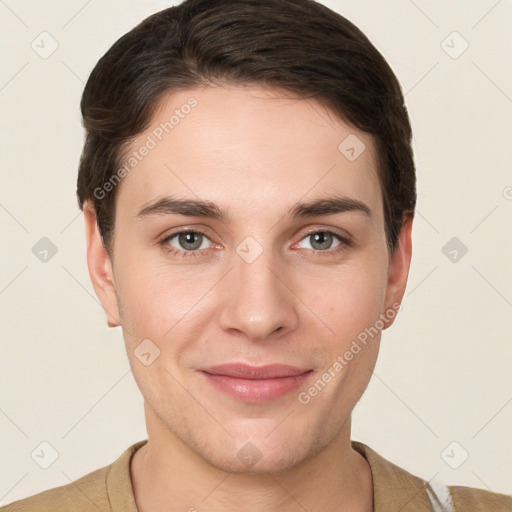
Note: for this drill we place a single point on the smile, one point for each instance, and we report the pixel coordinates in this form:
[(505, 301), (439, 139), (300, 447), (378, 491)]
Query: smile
[(256, 384)]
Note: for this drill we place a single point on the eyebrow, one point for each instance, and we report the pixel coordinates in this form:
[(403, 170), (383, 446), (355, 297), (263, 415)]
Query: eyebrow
[(197, 208)]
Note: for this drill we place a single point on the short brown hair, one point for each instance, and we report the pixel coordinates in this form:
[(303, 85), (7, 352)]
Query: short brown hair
[(298, 45)]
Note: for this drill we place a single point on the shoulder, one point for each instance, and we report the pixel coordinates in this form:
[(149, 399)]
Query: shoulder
[(82, 494), (104, 489), (397, 489), (470, 498)]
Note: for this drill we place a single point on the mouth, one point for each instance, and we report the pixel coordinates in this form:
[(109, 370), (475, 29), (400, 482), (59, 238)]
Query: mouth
[(255, 384)]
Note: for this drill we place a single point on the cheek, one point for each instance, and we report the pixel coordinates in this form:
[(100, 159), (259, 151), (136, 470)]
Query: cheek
[(159, 301), (350, 305), (347, 300)]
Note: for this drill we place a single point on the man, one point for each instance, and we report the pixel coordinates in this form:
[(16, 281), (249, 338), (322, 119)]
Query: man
[(248, 188)]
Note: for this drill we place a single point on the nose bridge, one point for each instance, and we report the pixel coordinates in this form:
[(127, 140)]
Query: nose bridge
[(257, 302)]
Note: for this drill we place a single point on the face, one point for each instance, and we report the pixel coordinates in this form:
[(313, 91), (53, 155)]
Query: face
[(250, 235)]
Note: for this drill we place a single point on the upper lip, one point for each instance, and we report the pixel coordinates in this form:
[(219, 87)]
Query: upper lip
[(246, 371)]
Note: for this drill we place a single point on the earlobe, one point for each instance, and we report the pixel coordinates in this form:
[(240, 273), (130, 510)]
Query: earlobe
[(398, 271), (100, 267)]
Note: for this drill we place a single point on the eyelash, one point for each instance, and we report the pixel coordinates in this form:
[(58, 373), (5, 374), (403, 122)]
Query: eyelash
[(344, 243)]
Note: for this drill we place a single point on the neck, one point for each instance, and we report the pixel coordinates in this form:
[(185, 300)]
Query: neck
[(167, 475)]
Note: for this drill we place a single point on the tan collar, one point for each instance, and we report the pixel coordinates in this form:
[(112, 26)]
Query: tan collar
[(394, 489), (119, 482)]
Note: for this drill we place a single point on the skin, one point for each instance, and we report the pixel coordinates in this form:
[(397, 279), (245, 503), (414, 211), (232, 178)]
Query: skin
[(255, 152)]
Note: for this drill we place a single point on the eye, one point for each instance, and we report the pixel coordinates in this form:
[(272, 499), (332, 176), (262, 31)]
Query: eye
[(322, 241), (187, 241)]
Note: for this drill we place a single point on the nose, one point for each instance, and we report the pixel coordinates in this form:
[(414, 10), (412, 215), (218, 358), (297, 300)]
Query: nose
[(257, 300)]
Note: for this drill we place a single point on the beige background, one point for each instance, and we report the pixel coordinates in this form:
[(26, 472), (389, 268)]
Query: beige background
[(444, 372)]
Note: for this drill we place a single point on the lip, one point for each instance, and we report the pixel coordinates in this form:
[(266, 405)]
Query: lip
[(255, 384)]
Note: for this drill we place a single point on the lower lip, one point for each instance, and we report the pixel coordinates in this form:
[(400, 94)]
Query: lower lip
[(257, 390)]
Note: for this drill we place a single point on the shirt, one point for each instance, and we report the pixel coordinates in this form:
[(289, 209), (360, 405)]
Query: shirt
[(109, 489)]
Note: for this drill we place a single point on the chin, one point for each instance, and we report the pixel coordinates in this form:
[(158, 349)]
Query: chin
[(257, 455), (263, 463)]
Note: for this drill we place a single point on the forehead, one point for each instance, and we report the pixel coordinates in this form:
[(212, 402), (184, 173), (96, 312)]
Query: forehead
[(247, 147)]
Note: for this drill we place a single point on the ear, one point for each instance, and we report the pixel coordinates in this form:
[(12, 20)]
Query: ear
[(100, 267), (398, 270)]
